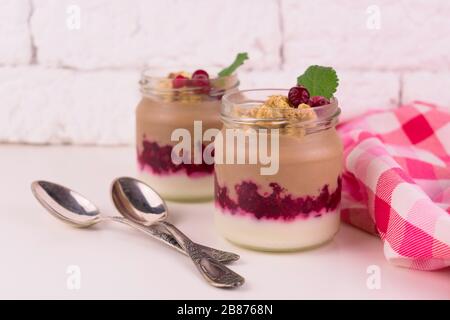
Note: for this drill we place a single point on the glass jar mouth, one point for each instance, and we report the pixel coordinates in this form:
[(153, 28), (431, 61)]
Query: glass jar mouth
[(162, 85), (235, 102)]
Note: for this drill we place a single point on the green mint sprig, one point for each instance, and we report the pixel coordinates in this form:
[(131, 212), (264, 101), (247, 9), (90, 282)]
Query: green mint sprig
[(320, 81), (238, 61)]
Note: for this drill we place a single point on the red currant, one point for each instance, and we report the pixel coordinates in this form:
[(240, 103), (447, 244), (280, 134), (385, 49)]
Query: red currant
[(200, 72), (298, 95), (179, 81), (200, 79), (318, 101)]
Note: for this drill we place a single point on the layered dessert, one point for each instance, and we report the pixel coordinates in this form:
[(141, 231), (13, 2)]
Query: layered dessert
[(297, 206), (184, 101)]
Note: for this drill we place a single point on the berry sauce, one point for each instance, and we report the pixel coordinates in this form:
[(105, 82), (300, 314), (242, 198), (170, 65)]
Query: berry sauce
[(278, 204), (158, 159)]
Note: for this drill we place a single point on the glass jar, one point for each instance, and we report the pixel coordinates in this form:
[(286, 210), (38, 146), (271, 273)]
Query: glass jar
[(296, 204), (192, 110)]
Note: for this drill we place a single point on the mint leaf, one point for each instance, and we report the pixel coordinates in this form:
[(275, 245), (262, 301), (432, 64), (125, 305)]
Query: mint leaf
[(238, 61), (320, 81)]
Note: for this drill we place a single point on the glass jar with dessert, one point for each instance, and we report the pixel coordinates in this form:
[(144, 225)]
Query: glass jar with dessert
[(285, 192), (176, 110)]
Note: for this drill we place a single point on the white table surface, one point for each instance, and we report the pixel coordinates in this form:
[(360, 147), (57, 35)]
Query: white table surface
[(117, 262)]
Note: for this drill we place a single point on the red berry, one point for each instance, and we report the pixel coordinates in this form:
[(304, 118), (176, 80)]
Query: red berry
[(200, 79), (298, 95), (200, 72), (179, 81), (318, 101)]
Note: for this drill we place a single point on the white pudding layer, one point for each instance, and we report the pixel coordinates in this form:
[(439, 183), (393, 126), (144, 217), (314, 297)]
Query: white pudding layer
[(275, 235), (179, 187)]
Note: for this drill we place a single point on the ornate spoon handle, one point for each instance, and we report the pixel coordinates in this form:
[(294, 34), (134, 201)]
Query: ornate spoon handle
[(213, 271), (167, 238)]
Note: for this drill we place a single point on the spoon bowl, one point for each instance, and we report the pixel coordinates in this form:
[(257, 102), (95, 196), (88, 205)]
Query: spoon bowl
[(66, 204), (137, 201)]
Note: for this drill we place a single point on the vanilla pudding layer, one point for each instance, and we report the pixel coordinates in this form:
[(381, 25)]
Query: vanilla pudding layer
[(277, 235), (180, 187)]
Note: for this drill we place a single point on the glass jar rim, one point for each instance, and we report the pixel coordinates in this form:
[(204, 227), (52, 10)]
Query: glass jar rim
[(149, 84), (326, 114), (157, 74)]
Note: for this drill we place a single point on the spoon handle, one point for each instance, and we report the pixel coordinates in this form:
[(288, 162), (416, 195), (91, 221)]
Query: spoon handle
[(213, 271), (167, 238)]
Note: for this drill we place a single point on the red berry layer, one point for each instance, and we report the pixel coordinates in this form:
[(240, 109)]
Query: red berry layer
[(158, 159), (278, 205)]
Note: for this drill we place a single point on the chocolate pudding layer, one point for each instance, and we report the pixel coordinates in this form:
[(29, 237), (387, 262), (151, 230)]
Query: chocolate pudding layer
[(298, 205)]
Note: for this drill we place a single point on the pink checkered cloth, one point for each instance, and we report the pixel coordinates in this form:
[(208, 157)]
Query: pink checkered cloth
[(396, 182)]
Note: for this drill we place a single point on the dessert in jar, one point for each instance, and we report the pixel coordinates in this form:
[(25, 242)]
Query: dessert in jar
[(177, 108), (295, 205)]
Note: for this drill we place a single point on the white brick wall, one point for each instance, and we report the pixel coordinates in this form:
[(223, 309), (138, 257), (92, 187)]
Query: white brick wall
[(134, 33), (42, 105), (65, 85), (15, 44), (427, 86), (413, 34)]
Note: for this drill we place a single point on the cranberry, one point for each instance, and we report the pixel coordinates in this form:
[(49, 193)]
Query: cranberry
[(179, 81), (200, 79), (200, 72), (318, 101), (298, 95)]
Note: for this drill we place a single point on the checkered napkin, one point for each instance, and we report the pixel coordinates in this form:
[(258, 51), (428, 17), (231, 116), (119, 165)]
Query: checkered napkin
[(396, 182)]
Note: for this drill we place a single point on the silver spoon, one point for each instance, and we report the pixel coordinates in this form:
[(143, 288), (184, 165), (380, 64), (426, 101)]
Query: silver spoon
[(74, 209), (138, 202)]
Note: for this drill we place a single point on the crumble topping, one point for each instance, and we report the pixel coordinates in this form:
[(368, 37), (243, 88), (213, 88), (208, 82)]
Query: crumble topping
[(277, 101), (166, 86), (278, 106)]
